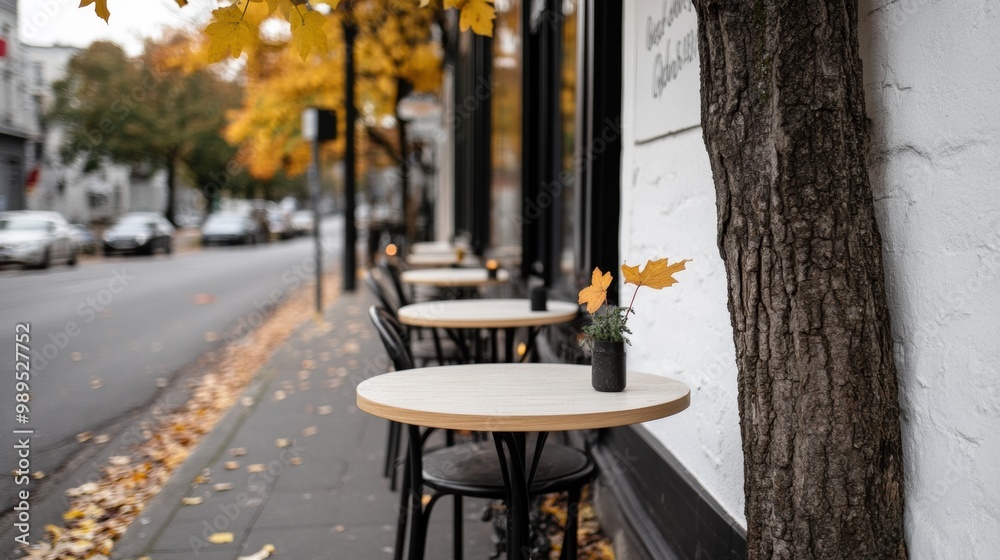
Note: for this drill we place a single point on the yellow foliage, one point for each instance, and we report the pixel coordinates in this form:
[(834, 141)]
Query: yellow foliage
[(228, 33), (596, 293), (657, 274)]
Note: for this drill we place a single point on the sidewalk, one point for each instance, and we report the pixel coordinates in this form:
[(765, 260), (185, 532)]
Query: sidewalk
[(310, 482)]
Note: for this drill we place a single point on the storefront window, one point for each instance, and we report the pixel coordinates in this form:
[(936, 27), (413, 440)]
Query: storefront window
[(505, 195), (570, 160)]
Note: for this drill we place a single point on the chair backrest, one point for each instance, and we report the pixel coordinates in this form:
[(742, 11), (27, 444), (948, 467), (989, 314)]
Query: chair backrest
[(392, 272), (393, 337), (376, 288)]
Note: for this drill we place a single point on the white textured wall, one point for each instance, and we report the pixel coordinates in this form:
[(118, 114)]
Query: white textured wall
[(932, 79), (668, 210)]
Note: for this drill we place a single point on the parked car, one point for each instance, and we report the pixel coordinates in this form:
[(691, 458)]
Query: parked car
[(37, 239), (231, 228), (139, 232), (302, 222), (87, 241), (279, 224)]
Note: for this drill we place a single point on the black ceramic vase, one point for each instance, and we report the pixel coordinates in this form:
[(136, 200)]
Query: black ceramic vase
[(608, 366)]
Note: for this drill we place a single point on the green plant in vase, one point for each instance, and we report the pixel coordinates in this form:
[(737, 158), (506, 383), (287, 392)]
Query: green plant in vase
[(607, 331)]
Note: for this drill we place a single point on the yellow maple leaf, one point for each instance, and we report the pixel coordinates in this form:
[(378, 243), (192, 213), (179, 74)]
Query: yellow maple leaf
[(101, 7), (596, 293), (308, 33), (228, 33), (478, 15), (220, 538), (656, 274)]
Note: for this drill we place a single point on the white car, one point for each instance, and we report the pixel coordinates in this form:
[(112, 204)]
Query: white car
[(36, 239)]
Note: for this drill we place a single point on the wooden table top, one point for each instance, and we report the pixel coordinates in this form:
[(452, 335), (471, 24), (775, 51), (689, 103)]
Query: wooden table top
[(453, 277), (442, 259), (422, 247), (517, 398), (485, 314)]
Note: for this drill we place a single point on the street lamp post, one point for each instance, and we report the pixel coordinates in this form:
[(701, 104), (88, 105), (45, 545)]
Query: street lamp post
[(351, 115)]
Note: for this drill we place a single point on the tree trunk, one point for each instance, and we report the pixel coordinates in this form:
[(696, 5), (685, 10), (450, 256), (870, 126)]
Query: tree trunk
[(783, 118)]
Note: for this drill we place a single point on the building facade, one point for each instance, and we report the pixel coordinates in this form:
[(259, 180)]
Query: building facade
[(16, 124), (80, 194), (592, 127)]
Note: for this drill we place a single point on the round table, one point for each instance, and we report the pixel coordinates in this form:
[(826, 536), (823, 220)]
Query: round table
[(491, 314), (453, 277), (442, 259), (509, 400), (436, 247)]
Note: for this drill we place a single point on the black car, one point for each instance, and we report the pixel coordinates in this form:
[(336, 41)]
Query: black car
[(225, 228), (139, 232)]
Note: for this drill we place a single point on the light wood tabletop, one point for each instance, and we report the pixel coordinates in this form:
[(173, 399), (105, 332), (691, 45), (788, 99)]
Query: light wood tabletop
[(517, 398), (485, 314), (442, 259), (422, 247), (453, 277)]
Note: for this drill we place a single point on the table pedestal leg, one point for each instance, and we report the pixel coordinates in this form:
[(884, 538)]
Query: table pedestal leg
[(512, 452)]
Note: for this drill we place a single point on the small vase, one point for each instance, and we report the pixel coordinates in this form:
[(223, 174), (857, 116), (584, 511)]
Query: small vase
[(608, 366)]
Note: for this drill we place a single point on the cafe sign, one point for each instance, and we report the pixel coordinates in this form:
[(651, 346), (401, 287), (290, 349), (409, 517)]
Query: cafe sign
[(667, 87)]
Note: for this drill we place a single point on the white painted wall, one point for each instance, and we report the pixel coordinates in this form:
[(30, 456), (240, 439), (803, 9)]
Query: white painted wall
[(932, 77), (668, 210)]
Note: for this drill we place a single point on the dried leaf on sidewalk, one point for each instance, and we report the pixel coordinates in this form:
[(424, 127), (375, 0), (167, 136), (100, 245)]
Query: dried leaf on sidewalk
[(309, 431), (220, 538), (222, 487), (260, 554), (324, 410), (191, 500), (231, 465), (238, 451), (280, 395), (295, 461), (103, 438), (256, 468), (282, 443)]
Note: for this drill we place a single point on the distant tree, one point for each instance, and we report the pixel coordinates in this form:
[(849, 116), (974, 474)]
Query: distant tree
[(147, 111)]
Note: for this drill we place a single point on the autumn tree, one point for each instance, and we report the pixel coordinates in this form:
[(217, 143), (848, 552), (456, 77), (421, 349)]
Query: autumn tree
[(783, 116), (145, 111)]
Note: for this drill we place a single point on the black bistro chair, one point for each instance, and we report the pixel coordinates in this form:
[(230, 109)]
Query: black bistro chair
[(470, 469), (435, 348)]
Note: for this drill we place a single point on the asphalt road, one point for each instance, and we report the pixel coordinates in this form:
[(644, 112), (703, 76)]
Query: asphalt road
[(104, 335)]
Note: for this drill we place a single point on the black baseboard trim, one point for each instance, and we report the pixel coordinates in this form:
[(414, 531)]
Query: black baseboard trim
[(645, 495)]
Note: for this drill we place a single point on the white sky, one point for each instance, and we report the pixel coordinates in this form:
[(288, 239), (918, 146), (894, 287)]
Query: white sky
[(50, 22)]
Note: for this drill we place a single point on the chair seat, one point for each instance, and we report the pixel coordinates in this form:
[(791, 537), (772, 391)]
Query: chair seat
[(473, 469), (423, 349)]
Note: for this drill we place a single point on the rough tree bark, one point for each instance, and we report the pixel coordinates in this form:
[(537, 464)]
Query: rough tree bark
[(784, 122)]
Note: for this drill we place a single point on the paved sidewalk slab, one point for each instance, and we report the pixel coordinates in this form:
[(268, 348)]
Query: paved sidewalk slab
[(310, 482)]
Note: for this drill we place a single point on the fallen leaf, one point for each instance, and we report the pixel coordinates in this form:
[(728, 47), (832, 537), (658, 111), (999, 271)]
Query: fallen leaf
[(303, 374), (238, 451), (75, 356), (339, 528), (279, 395), (295, 461), (211, 336), (103, 438), (247, 401), (203, 299), (96, 382), (256, 468), (161, 382), (260, 554), (38, 475), (282, 442), (191, 501), (324, 410), (119, 460), (231, 465), (222, 486), (84, 437), (309, 431), (220, 538)]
